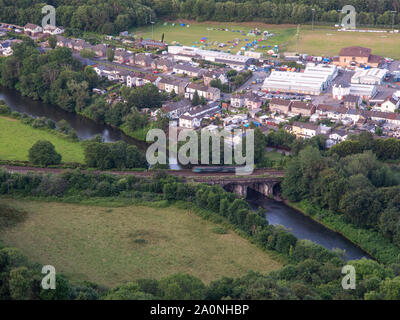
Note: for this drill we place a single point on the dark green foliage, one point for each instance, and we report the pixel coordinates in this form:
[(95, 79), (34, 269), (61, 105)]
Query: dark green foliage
[(43, 153), (182, 287), (113, 155)]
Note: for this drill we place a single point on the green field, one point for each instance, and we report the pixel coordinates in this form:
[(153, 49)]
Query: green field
[(328, 42), (325, 41), (189, 35), (17, 138), (111, 246)]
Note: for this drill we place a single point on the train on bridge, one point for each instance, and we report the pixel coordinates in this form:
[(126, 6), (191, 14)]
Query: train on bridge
[(216, 169)]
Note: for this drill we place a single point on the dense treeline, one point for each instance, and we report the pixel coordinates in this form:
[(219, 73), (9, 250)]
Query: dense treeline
[(118, 155), (99, 15), (110, 17), (384, 149), (351, 182), (312, 271)]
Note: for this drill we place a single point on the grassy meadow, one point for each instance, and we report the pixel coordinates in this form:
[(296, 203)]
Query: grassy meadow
[(110, 246), (189, 35), (17, 138), (323, 40)]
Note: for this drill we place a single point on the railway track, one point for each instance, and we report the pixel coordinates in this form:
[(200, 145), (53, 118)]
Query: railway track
[(187, 173)]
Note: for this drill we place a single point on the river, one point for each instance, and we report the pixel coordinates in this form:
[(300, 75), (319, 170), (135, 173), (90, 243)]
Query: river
[(303, 227), (85, 128), (276, 213)]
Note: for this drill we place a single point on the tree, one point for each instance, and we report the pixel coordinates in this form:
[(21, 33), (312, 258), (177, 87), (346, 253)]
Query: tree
[(52, 41), (195, 99), (87, 54), (63, 290), (346, 148), (182, 287), (43, 153), (110, 54), (361, 207), (20, 283)]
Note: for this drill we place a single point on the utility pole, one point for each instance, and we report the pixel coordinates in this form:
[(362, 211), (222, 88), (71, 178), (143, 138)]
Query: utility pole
[(152, 28), (313, 12), (297, 38), (393, 13), (339, 23)]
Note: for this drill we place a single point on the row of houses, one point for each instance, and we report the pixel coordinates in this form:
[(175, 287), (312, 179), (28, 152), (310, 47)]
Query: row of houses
[(308, 130), (191, 119), (289, 107), (249, 100), (33, 29), (341, 112)]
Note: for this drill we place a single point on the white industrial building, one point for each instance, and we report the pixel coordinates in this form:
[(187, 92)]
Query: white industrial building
[(369, 76), (185, 53), (361, 90), (314, 80)]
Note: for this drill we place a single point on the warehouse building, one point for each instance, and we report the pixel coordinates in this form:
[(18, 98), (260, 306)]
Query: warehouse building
[(314, 80), (187, 53), (369, 76), (339, 91)]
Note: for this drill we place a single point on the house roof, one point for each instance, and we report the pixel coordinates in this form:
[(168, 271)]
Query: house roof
[(187, 68), (31, 26), (340, 132), (305, 125), (328, 108), (374, 58), (181, 104), (174, 82), (280, 102), (185, 117), (302, 105), (197, 86), (351, 98), (355, 52)]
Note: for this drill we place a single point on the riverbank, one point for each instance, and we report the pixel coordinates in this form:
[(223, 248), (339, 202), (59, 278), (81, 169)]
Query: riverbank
[(370, 241)]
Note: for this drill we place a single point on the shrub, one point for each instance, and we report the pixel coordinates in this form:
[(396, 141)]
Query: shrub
[(43, 153)]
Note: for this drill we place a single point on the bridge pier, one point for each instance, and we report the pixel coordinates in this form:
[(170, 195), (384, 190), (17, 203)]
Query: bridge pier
[(240, 190)]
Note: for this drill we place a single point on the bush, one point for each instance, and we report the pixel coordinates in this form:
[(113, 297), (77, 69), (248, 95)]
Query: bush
[(43, 153), (4, 109)]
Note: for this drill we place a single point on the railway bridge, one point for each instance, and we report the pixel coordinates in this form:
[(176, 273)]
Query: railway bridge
[(267, 186)]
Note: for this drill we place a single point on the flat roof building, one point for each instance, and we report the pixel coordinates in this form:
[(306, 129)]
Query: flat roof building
[(186, 53), (369, 76), (314, 80)]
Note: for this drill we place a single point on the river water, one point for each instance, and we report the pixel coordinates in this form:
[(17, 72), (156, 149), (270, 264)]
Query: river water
[(276, 213)]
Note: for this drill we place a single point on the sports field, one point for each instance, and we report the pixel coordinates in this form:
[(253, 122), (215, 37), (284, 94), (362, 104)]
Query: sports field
[(111, 246), (216, 34), (322, 40), (17, 138)]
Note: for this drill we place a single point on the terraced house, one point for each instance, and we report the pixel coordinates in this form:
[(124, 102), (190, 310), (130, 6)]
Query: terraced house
[(208, 93), (171, 84)]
